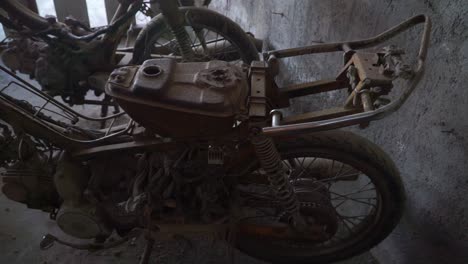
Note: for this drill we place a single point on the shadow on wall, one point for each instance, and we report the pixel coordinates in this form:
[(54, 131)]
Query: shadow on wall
[(427, 138), (422, 239)]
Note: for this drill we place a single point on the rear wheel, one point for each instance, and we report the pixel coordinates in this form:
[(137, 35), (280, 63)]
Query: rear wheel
[(348, 188)]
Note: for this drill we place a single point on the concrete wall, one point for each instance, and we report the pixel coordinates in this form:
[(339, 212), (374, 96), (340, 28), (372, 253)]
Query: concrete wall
[(428, 137)]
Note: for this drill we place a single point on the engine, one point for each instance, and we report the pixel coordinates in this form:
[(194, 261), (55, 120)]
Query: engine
[(181, 99)]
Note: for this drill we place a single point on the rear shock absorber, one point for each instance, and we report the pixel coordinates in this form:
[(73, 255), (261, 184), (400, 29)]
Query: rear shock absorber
[(175, 22), (271, 162)]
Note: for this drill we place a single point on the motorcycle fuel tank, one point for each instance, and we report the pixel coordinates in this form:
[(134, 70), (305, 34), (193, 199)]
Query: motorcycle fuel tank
[(181, 99)]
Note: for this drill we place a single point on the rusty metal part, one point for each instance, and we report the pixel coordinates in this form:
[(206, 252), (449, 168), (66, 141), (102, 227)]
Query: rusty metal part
[(364, 69), (367, 103), (271, 162), (48, 241), (368, 68), (135, 146), (369, 115), (75, 116), (298, 90), (27, 177), (360, 44), (185, 99), (34, 122), (320, 115), (258, 105), (316, 207), (76, 216), (59, 136), (72, 49), (82, 221), (32, 5), (25, 15), (21, 55), (393, 63), (351, 101)]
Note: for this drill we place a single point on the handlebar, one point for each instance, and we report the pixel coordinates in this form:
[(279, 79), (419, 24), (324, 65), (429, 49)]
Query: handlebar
[(40, 25)]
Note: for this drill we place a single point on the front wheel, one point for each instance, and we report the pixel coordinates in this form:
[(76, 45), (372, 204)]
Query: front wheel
[(213, 36), (348, 189)]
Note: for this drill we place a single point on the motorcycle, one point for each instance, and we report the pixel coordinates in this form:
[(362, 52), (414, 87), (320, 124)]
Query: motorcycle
[(69, 59), (205, 148)]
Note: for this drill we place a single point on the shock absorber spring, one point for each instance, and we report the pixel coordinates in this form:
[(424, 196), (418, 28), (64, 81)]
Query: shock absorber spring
[(175, 21), (271, 162), (183, 42)]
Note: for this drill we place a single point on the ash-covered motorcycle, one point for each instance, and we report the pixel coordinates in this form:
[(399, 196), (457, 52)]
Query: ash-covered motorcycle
[(68, 58), (205, 148)]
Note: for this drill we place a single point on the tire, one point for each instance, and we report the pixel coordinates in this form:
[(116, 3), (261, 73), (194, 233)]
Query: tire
[(201, 18), (364, 156)]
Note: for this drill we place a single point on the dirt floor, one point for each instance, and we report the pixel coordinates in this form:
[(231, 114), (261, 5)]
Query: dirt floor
[(21, 231)]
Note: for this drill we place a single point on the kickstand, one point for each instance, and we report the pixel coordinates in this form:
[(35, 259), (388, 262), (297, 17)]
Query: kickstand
[(148, 249)]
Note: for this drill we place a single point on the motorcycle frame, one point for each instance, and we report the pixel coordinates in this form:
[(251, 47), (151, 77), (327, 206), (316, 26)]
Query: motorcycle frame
[(89, 44), (264, 96)]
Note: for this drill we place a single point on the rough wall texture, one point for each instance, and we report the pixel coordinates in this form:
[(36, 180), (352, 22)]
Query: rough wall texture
[(428, 137)]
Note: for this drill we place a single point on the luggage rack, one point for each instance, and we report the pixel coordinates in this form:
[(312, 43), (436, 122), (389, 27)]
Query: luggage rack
[(60, 129), (368, 75)]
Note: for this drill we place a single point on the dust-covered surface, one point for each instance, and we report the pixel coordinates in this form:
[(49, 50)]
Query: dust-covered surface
[(427, 138), (21, 230)]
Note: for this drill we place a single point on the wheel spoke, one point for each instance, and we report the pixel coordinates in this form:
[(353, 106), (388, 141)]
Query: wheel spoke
[(359, 191), (336, 178), (302, 167), (354, 217), (336, 207), (339, 172), (352, 199), (293, 163), (365, 198), (207, 44), (287, 165), (344, 224)]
